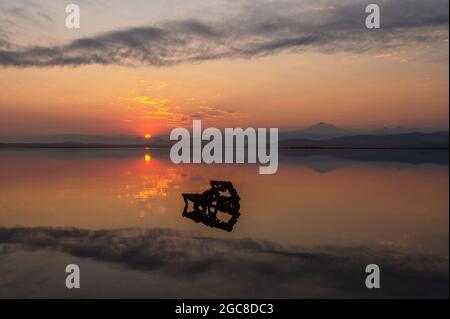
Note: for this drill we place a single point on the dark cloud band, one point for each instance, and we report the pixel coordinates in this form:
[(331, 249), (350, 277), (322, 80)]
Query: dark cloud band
[(325, 26)]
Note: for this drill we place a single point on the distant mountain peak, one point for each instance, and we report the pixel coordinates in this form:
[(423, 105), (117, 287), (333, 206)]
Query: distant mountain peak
[(323, 128), (323, 124)]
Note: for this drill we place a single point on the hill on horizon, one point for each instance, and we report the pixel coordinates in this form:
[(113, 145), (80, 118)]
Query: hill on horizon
[(406, 140), (318, 135), (325, 129)]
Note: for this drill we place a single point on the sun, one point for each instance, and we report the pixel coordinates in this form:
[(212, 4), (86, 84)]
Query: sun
[(148, 136)]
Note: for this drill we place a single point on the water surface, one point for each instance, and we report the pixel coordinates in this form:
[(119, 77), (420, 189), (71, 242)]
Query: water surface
[(307, 231)]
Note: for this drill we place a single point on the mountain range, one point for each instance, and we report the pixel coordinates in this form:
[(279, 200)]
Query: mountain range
[(322, 130), (320, 135), (414, 140)]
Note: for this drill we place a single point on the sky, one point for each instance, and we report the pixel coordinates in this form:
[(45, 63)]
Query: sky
[(139, 67)]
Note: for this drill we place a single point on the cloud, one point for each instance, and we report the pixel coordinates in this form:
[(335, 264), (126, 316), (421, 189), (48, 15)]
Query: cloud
[(154, 102), (264, 28), (14, 15), (208, 112), (238, 267)]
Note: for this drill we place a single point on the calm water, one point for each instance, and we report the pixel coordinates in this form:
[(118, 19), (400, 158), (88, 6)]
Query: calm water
[(307, 231)]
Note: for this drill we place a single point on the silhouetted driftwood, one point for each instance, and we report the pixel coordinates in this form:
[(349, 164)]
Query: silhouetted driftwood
[(203, 208)]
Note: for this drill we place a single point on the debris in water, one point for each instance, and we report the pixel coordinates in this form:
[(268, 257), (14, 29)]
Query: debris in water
[(220, 200)]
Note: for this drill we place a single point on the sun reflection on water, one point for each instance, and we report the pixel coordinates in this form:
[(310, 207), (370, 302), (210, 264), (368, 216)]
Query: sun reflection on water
[(147, 158), (152, 187)]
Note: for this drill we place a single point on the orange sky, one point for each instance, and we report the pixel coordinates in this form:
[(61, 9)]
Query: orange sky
[(289, 90)]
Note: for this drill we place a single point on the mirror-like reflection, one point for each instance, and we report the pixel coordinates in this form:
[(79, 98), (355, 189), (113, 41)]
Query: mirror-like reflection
[(166, 263), (349, 207)]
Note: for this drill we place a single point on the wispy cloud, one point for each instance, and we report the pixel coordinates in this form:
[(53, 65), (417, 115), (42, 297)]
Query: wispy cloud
[(326, 26), (15, 14), (208, 112)]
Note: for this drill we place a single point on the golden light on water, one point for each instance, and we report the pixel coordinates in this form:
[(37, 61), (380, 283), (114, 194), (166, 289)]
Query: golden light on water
[(147, 158)]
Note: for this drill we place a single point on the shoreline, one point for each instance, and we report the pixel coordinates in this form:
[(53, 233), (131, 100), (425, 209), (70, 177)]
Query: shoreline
[(139, 146)]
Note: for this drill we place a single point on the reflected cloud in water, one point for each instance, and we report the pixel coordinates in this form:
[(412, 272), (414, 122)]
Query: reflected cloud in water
[(191, 265), (151, 194)]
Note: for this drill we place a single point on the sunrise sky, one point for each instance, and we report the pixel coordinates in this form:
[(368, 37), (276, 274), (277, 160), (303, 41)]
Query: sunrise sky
[(138, 67)]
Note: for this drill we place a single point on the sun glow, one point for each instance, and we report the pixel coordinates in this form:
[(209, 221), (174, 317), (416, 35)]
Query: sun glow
[(148, 136)]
